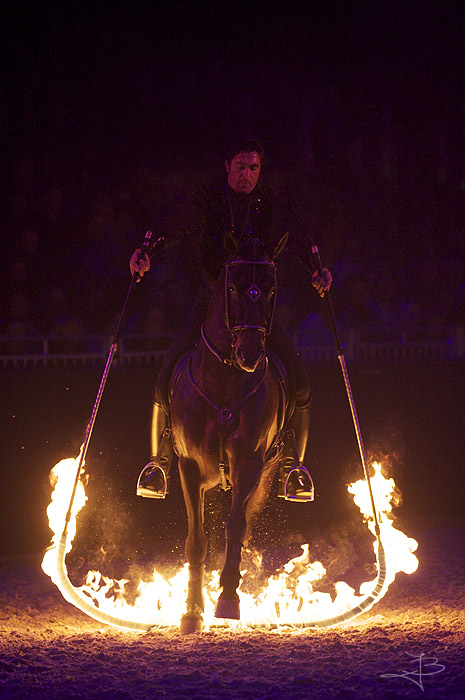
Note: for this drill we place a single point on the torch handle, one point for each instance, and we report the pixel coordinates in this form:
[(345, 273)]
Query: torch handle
[(345, 374), (329, 303), (145, 247)]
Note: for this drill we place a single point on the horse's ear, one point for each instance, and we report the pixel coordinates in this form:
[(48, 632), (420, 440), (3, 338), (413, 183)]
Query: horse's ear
[(230, 243), (280, 246)]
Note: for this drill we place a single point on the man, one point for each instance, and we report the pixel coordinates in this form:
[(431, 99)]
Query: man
[(243, 206)]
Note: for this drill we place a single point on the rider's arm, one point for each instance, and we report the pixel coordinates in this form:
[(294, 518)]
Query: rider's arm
[(288, 218)]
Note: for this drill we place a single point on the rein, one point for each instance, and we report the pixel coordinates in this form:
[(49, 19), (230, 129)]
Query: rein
[(217, 353), (220, 355)]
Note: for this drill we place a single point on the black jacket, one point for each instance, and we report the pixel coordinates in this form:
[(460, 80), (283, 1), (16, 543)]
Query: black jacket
[(208, 212)]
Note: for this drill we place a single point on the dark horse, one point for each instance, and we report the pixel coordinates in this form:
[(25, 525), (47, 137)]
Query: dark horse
[(226, 417)]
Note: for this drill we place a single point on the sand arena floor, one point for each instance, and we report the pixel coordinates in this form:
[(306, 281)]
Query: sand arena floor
[(50, 650)]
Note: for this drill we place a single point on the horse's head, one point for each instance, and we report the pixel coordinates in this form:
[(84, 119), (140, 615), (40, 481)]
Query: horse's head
[(250, 298)]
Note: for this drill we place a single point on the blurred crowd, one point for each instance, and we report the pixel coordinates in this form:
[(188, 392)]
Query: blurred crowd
[(396, 251)]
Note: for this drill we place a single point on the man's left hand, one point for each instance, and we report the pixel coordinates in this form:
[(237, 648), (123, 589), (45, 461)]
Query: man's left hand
[(322, 281)]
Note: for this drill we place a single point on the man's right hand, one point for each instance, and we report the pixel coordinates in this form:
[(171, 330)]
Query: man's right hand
[(139, 264)]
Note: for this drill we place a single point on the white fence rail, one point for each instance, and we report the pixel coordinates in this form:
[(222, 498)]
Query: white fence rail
[(359, 346), (415, 345)]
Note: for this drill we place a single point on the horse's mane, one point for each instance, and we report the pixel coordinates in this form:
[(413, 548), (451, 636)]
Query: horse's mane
[(252, 249)]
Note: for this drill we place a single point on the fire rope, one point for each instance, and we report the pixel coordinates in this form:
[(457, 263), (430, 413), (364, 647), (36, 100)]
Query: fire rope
[(350, 614), (75, 598)]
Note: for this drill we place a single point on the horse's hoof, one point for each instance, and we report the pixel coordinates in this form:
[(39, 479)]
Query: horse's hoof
[(191, 621), (190, 625), (228, 608)]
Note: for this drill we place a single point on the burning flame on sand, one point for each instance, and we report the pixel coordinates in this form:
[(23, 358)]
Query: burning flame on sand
[(288, 599)]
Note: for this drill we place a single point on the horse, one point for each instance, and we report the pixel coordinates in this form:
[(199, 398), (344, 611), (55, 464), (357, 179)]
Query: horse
[(226, 405)]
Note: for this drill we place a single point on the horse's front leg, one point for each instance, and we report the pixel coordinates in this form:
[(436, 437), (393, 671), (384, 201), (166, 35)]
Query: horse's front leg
[(245, 479), (195, 546)]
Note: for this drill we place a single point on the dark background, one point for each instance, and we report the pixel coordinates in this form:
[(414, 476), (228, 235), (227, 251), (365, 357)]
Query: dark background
[(110, 86), (108, 110)]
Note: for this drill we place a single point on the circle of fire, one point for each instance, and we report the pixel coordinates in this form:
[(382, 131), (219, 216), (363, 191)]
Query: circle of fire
[(288, 598)]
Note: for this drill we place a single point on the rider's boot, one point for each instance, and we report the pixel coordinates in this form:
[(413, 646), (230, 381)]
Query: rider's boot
[(154, 478), (295, 482)]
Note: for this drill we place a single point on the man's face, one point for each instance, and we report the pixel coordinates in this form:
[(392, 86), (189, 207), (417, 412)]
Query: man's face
[(243, 172)]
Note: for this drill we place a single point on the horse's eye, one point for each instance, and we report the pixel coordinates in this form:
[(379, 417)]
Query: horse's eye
[(231, 289), (272, 292)]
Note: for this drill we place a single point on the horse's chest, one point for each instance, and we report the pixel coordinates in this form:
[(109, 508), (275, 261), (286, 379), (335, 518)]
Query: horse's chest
[(210, 436), (195, 431)]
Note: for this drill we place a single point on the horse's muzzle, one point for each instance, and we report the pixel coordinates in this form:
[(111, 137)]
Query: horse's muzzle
[(249, 348), (248, 364)]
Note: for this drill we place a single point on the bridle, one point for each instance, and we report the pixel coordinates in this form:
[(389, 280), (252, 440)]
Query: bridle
[(254, 292)]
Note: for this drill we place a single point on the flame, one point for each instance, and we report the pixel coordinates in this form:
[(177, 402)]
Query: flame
[(62, 478), (287, 599)]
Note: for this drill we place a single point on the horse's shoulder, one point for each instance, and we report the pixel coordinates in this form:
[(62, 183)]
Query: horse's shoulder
[(278, 370), (180, 367), (277, 366)]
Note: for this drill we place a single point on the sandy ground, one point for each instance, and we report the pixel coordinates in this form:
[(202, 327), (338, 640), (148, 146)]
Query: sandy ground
[(48, 649)]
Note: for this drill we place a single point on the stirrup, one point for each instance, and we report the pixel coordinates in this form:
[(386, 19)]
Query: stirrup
[(152, 481), (296, 484)]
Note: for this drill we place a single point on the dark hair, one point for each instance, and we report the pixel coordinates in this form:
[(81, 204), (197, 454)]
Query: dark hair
[(244, 146)]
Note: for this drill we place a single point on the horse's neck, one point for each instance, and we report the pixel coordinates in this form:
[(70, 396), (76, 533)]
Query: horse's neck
[(219, 380), (215, 326)]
